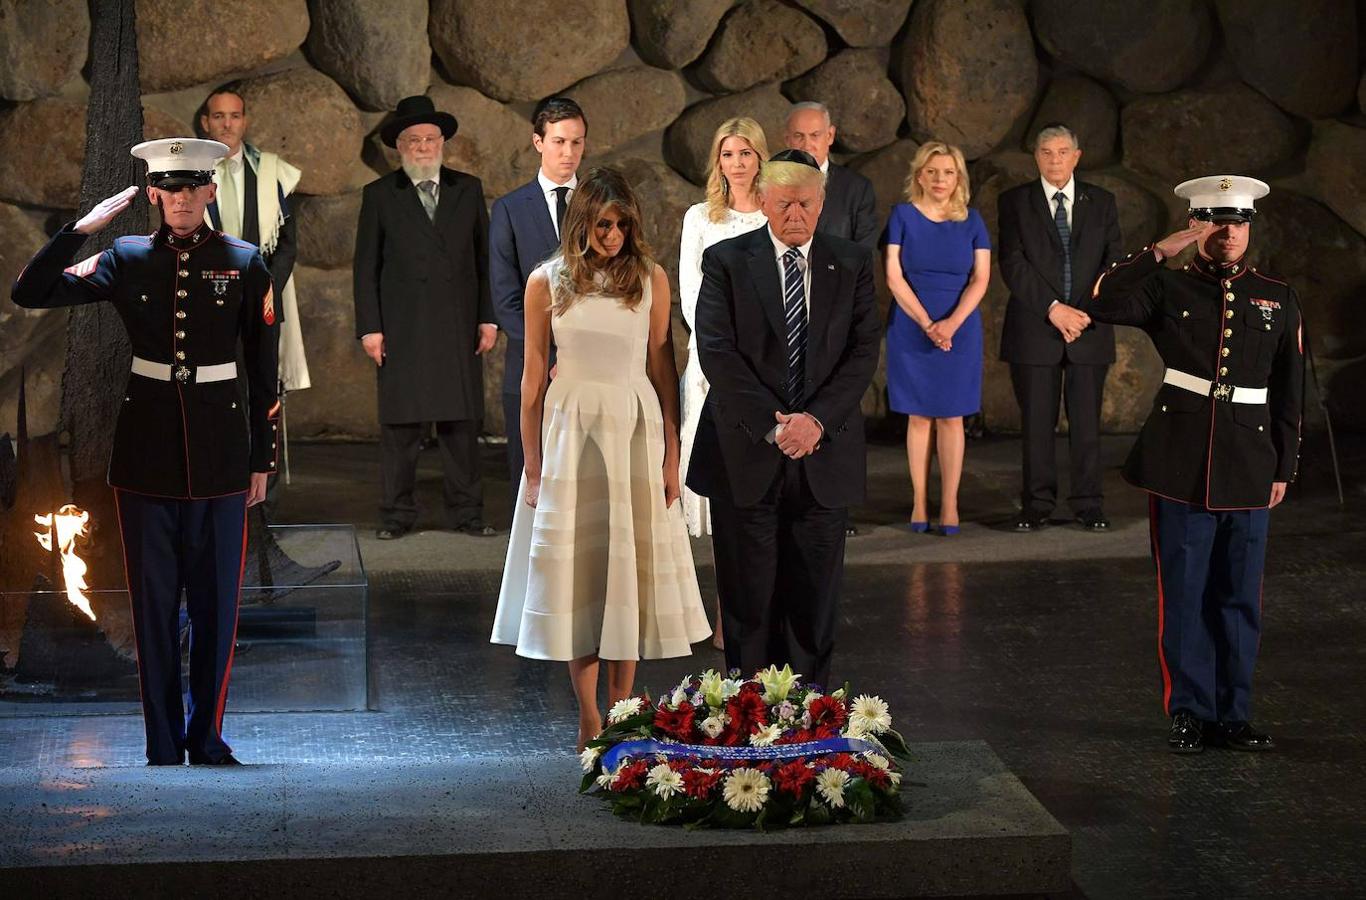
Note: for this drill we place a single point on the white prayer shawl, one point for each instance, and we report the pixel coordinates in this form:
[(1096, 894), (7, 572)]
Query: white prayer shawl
[(274, 175)]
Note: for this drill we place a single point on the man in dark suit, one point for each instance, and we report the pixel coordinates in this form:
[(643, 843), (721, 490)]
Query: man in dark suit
[(424, 316), (788, 335), (850, 209), (523, 233), (1057, 234)]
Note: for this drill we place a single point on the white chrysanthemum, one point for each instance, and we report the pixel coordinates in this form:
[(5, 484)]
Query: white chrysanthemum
[(624, 709), (830, 785), (872, 713), (589, 758), (665, 781), (746, 790), (878, 761), (810, 699), (712, 726), (855, 728), (765, 736)]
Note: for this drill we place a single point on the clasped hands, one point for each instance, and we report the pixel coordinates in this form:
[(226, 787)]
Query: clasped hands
[(797, 434), (941, 333), (1069, 320)]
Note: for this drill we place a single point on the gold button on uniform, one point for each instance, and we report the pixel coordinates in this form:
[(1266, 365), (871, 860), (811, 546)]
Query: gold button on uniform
[(1223, 352), (182, 294), (184, 273), (1227, 284), (1185, 314), (219, 302), (180, 335), (1228, 314), (1230, 296), (1259, 428), (180, 354), (1228, 332), (184, 256), (180, 314), (1268, 326), (1223, 370), (1164, 407)]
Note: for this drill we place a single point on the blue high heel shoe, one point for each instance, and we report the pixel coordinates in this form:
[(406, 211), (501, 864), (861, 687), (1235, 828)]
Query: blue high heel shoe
[(920, 527), (948, 530)]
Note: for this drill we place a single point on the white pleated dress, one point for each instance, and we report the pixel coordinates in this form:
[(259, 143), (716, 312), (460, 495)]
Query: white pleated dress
[(600, 564)]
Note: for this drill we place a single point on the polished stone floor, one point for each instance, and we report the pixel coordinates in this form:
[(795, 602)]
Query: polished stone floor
[(1041, 645)]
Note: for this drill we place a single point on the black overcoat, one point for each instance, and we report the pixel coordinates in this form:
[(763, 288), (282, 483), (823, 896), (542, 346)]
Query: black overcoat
[(424, 285)]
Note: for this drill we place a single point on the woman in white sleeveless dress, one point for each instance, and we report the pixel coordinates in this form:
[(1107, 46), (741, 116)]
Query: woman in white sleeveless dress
[(738, 151), (599, 566)]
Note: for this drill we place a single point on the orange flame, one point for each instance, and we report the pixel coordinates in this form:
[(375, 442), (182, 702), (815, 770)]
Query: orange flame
[(71, 522)]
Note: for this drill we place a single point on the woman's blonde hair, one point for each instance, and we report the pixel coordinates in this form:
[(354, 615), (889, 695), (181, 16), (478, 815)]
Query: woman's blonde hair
[(718, 189), (584, 270), (958, 202)]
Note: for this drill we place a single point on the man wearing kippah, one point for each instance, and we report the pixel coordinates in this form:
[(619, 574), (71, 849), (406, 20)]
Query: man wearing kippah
[(187, 460), (1216, 453)]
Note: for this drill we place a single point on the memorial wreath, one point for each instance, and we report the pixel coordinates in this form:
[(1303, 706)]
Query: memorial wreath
[(763, 752)]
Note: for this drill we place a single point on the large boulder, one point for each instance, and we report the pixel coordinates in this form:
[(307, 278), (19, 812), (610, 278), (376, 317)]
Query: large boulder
[(1229, 128), (52, 178), (42, 369), (657, 97), (968, 71), (1336, 168), (866, 107), (887, 170), (1088, 109), (307, 118), (757, 42), (343, 403), (1142, 216), (1297, 239), (861, 23), (687, 143), (326, 227), (1361, 93), (189, 42), (672, 33), (378, 59), (42, 46), (1343, 394), (493, 143), (532, 53), (23, 238), (1146, 47), (1304, 59)]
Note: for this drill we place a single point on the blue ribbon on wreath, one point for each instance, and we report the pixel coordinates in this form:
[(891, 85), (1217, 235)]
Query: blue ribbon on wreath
[(625, 749)]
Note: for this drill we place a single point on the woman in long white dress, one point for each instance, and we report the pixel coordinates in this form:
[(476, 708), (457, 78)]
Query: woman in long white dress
[(599, 566), (738, 151)]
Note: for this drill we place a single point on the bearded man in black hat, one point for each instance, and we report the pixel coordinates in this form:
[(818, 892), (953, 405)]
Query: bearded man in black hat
[(424, 315)]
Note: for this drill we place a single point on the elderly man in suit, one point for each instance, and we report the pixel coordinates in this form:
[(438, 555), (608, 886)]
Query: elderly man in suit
[(788, 335), (523, 233), (1057, 235), (424, 315)]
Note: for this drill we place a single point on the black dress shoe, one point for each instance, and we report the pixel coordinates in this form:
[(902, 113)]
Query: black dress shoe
[(1093, 520), (392, 532), (1186, 734), (225, 760), (167, 762), (1239, 736), (1031, 521), (476, 527)]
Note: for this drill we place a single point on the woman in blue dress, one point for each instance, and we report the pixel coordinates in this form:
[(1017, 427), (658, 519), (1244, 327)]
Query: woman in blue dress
[(938, 264)]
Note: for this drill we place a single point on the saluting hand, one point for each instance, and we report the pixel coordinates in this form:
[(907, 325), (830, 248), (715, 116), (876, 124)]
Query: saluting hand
[(105, 211), (1177, 241)]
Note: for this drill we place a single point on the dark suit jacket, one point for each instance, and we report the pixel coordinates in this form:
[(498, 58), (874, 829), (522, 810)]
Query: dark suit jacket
[(521, 237), (280, 261), (742, 344), (850, 210), (1030, 253), (425, 286)]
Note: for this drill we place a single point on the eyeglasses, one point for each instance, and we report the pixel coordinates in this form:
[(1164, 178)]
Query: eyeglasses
[(421, 141)]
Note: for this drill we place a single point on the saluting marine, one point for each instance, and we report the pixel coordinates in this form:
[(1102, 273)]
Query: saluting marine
[(186, 461), (1217, 451)]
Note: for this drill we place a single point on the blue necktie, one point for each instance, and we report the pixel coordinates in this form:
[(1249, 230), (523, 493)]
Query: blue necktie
[(1064, 232), (794, 311)]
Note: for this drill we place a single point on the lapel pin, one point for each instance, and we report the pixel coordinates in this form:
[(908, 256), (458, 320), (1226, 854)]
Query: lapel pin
[(830, 266)]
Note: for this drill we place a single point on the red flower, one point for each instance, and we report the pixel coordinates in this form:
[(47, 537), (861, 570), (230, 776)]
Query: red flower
[(631, 776), (676, 723), (699, 783), (828, 711), (793, 777)]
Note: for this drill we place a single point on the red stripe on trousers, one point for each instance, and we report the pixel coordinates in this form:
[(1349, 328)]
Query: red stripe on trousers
[(1161, 607), (232, 647)]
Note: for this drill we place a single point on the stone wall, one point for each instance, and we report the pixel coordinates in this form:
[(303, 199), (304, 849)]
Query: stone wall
[(1158, 91)]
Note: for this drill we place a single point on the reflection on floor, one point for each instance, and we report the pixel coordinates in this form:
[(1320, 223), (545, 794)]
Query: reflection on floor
[(1049, 657)]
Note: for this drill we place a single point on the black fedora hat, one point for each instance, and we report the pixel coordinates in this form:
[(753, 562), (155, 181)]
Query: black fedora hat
[(417, 110)]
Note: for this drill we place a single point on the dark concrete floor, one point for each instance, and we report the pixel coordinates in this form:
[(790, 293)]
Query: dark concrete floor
[(1045, 649)]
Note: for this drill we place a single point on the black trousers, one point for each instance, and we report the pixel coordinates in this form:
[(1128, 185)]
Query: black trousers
[(195, 546), (778, 570), (512, 416), (458, 443), (1037, 390)]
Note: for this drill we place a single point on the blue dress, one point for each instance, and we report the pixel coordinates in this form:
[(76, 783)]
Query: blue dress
[(936, 260)]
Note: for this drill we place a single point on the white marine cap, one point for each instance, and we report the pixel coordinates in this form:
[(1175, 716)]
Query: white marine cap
[(1227, 198), (176, 162)]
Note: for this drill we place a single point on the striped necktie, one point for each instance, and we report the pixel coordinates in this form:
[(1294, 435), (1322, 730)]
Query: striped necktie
[(1064, 232), (794, 311), (426, 192)]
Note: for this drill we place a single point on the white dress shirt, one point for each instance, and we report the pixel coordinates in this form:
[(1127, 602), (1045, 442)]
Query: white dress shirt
[(548, 188), (1069, 190)]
